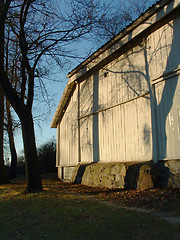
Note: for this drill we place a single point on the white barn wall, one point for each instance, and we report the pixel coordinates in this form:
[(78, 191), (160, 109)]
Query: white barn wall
[(127, 78), (68, 134), (86, 141), (109, 116), (165, 60), (163, 49), (168, 125), (121, 137), (86, 97)]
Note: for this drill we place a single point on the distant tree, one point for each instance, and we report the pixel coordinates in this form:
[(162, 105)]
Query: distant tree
[(10, 125), (119, 16), (47, 157), (21, 164), (3, 177), (9, 128)]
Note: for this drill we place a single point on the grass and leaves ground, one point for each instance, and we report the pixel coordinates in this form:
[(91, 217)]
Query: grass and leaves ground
[(67, 211)]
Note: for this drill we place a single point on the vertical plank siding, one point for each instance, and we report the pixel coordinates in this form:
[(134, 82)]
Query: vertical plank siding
[(68, 134), (114, 113), (86, 142), (121, 137), (168, 124)]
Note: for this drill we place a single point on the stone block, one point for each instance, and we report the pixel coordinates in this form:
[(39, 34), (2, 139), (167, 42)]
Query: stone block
[(174, 181), (144, 180), (128, 175), (173, 166)]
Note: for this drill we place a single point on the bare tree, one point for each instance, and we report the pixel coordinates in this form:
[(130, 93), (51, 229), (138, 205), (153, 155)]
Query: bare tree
[(120, 14), (9, 128), (9, 124), (41, 32), (3, 177)]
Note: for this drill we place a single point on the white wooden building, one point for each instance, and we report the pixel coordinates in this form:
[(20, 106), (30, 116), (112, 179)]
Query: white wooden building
[(122, 103)]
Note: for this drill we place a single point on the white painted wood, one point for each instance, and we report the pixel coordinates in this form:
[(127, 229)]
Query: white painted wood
[(69, 133), (144, 128), (168, 117), (86, 97), (86, 142), (122, 138), (115, 121), (163, 48), (58, 146)]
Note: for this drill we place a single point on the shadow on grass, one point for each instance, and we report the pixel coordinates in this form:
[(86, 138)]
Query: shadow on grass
[(49, 215)]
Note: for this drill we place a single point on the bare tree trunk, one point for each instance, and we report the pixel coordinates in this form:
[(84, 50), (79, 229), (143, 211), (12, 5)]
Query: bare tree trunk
[(3, 177), (12, 173), (32, 167), (24, 112)]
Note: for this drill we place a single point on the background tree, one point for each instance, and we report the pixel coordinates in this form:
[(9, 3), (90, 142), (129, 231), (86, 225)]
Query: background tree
[(9, 128), (119, 15), (47, 157), (3, 177), (41, 32)]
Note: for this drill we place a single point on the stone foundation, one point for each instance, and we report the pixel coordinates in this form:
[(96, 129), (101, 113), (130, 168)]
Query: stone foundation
[(128, 175)]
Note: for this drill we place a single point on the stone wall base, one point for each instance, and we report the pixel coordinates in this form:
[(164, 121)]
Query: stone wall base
[(128, 175)]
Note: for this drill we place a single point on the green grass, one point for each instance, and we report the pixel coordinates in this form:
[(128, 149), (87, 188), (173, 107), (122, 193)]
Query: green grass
[(58, 214)]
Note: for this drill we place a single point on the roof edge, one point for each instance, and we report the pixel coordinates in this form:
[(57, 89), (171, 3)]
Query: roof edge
[(149, 12)]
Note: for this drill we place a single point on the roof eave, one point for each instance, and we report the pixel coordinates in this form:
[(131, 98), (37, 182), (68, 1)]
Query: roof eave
[(149, 12), (62, 103)]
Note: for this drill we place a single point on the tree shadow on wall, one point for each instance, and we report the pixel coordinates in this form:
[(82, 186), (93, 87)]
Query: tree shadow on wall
[(160, 102)]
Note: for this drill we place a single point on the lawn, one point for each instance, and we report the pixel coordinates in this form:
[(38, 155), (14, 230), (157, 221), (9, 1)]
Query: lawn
[(65, 211)]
